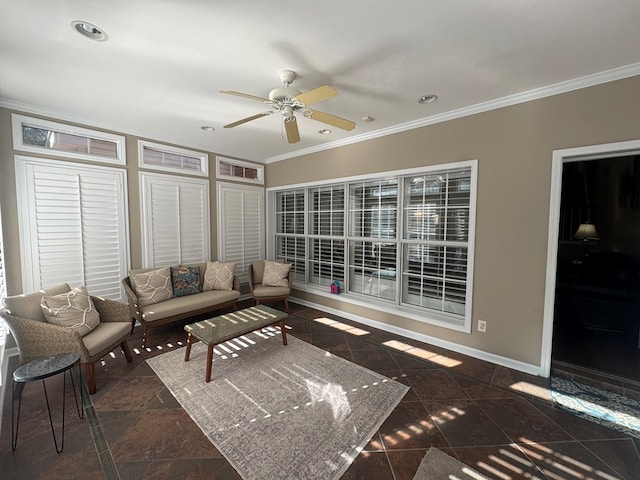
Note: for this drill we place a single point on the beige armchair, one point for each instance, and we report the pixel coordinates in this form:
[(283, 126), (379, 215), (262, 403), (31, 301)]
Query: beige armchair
[(37, 338), (265, 291)]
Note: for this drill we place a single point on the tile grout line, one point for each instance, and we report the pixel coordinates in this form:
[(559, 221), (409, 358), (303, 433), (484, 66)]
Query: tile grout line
[(107, 464)]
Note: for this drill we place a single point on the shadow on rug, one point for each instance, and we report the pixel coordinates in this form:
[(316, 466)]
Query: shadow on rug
[(280, 412), (437, 465), (606, 408)]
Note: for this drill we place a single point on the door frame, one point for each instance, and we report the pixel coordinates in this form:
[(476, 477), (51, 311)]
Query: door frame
[(560, 157)]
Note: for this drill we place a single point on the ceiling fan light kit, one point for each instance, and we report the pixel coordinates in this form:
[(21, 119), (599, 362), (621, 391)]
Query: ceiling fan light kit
[(288, 100)]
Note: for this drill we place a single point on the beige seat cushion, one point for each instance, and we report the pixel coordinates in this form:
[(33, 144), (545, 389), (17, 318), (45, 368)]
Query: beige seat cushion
[(105, 335), (28, 306), (260, 291), (179, 305), (219, 276), (276, 274), (72, 309), (152, 286)]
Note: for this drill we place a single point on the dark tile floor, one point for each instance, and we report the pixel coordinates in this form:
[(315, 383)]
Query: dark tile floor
[(497, 420)]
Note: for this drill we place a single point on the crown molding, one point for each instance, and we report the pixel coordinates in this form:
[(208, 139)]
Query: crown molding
[(535, 94)]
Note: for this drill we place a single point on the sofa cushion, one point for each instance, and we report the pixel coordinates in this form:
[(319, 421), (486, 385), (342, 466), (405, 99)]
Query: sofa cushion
[(28, 306), (219, 276), (72, 309), (179, 305), (276, 274), (152, 286), (185, 280)]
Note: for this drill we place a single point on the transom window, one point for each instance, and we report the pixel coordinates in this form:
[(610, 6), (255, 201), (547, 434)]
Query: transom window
[(42, 136), (402, 240), (232, 169), (155, 156)]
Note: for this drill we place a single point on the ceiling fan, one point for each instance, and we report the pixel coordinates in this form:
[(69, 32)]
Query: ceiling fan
[(288, 100)]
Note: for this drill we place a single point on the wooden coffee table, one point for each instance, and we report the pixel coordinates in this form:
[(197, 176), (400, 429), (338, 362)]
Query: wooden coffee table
[(229, 326)]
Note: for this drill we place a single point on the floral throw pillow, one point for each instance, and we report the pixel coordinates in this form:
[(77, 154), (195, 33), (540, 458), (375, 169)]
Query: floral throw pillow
[(276, 274), (153, 286), (185, 280), (72, 309), (219, 276)]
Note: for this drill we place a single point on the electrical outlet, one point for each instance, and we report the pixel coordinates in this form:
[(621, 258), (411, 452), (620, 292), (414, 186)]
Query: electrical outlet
[(482, 326)]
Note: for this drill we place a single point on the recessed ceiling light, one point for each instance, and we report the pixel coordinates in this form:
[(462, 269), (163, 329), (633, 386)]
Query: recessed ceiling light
[(207, 128), (89, 30), (324, 131), (430, 98)]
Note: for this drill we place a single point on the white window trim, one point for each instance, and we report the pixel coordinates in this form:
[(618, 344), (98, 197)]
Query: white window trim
[(441, 319), (240, 163), (18, 142), (204, 159)]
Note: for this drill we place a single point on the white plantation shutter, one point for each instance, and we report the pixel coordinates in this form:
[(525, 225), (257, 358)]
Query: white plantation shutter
[(240, 226), (175, 219), (73, 228)]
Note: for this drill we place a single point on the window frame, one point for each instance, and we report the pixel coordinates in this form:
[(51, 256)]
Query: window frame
[(240, 163), (203, 171), (18, 120), (459, 322)]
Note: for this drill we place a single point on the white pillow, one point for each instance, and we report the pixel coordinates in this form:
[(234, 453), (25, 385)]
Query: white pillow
[(153, 286), (72, 309), (219, 276), (276, 274)]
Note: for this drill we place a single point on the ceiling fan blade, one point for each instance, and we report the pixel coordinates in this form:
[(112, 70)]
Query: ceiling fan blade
[(248, 119), (245, 95), (331, 120), (317, 95), (291, 127)]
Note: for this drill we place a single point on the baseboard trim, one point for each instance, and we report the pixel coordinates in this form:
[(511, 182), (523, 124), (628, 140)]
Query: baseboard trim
[(454, 347)]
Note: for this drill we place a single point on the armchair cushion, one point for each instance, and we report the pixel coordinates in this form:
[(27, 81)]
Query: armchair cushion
[(153, 286), (28, 305), (102, 338), (185, 280), (219, 276), (72, 309), (276, 274)]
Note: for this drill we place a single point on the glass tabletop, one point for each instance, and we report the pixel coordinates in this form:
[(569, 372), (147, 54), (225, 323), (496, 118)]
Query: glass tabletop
[(230, 325), (45, 367)]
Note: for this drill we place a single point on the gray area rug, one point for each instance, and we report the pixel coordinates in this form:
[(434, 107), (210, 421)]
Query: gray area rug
[(437, 465), (280, 412)]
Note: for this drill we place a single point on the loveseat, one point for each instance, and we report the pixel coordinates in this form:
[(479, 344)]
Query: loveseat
[(163, 295)]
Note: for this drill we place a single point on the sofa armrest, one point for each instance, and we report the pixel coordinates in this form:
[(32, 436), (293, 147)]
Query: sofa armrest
[(37, 339), (134, 307), (111, 310)]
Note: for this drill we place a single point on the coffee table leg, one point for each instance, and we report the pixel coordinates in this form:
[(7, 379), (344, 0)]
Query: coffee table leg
[(207, 376), (283, 330), (187, 351)]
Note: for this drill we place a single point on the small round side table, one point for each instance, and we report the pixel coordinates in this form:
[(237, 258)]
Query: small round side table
[(40, 369)]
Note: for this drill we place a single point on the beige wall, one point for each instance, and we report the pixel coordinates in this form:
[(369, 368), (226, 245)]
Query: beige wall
[(514, 148)]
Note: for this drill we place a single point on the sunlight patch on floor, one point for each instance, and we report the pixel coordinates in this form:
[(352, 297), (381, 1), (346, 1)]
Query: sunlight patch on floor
[(531, 389), (423, 354), (341, 326)]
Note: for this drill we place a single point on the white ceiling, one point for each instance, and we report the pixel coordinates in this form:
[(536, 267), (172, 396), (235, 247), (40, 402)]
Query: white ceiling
[(161, 70)]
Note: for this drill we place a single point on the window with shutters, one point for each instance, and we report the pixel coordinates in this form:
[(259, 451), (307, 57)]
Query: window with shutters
[(175, 219), (232, 169), (45, 137), (290, 230), (3, 292), (240, 226), (400, 242), (155, 156), (73, 225)]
